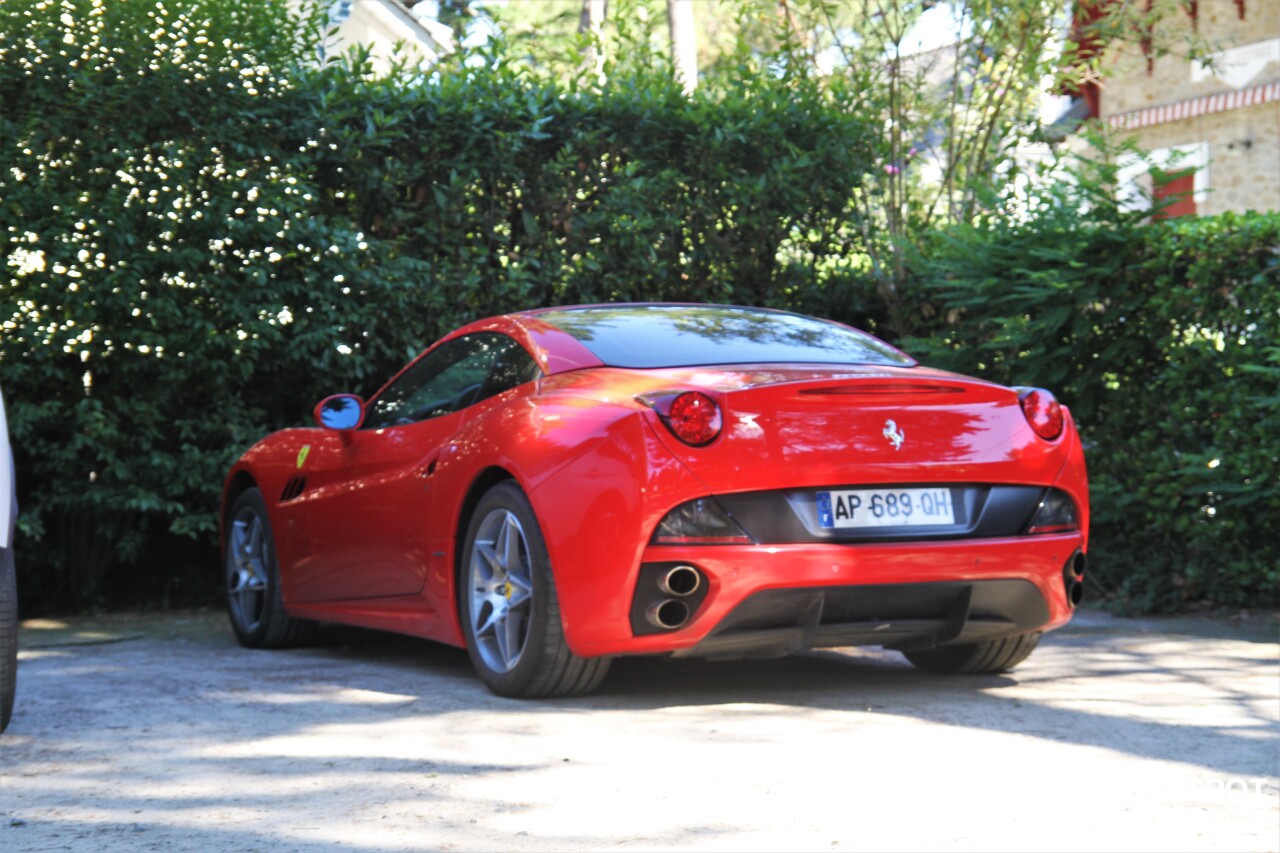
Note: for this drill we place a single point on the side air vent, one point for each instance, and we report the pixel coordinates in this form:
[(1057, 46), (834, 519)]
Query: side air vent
[(293, 489)]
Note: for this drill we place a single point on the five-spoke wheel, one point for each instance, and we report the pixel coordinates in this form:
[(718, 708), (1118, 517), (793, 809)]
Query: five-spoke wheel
[(501, 587), (247, 560), (254, 601)]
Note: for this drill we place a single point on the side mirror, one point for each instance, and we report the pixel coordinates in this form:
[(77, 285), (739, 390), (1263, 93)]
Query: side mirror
[(341, 411)]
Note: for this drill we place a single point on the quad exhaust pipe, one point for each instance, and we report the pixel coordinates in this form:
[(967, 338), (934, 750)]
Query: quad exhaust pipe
[(1073, 578), (668, 614), (678, 582), (681, 581)]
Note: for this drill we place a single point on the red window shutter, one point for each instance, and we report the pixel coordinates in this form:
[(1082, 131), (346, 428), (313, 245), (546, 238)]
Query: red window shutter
[(1180, 188), (1084, 80)]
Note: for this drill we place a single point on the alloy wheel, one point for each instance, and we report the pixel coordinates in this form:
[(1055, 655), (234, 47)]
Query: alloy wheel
[(247, 555), (500, 590)]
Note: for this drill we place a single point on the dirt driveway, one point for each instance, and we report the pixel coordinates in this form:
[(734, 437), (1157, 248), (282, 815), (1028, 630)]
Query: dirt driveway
[(159, 733)]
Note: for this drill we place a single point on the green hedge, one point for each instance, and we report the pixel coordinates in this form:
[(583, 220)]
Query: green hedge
[(1164, 339), (205, 234)]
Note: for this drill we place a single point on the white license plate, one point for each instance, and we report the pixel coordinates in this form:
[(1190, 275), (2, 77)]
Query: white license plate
[(885, 508)]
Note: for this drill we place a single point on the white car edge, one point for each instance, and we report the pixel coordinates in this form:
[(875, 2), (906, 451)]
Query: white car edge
[(8, 503), (8, 576)]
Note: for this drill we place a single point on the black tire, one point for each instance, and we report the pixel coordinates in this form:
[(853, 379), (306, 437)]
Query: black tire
[(8, 635), (987, 656), (254, 601), (505, 585)]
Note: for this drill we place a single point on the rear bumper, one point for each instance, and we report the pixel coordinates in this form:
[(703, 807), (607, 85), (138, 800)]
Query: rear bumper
[(900, 616), (770, 600)]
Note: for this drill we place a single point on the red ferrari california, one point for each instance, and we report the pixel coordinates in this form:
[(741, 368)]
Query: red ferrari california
[(553, 488)]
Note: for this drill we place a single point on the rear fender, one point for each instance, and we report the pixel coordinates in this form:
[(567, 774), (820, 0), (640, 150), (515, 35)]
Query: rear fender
[(591, 470), (1074, 476), (597, 511)]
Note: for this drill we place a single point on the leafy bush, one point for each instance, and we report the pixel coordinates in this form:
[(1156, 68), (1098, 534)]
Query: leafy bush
[(1163, 338), (204, 234)]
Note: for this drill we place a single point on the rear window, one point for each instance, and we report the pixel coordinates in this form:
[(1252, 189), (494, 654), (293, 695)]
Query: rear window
[(690, 335)]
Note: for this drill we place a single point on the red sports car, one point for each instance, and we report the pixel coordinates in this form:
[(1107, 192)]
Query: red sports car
[(557, 487)]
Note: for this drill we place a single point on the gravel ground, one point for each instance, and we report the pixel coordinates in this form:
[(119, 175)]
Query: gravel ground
[(157, 732)]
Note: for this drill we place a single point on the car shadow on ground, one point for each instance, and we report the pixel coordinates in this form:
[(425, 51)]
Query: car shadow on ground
[(881, 681)]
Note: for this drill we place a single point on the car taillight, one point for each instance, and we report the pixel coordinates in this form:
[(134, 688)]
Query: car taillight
[(692, 417), (700, 522), (1042, 411), (1055, 514)]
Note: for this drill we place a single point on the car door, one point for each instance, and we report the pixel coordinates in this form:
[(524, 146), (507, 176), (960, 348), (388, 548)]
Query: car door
[(370, 501)]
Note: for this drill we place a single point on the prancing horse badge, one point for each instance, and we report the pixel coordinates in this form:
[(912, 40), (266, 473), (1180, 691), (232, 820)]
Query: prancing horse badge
[(895, 435)]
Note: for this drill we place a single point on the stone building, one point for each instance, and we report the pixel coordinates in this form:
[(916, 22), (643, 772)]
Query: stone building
[(1223, 119)]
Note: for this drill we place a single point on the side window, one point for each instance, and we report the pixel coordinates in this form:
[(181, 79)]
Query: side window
[(458, 374), (512, 367)]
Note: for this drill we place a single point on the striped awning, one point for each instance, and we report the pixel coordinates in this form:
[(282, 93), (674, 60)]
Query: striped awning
[(1205, 105)]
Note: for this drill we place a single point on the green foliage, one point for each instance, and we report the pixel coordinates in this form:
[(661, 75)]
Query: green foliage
[(1163, 339), (173, 286), (204, 234), (957, 88), (511, 192)]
